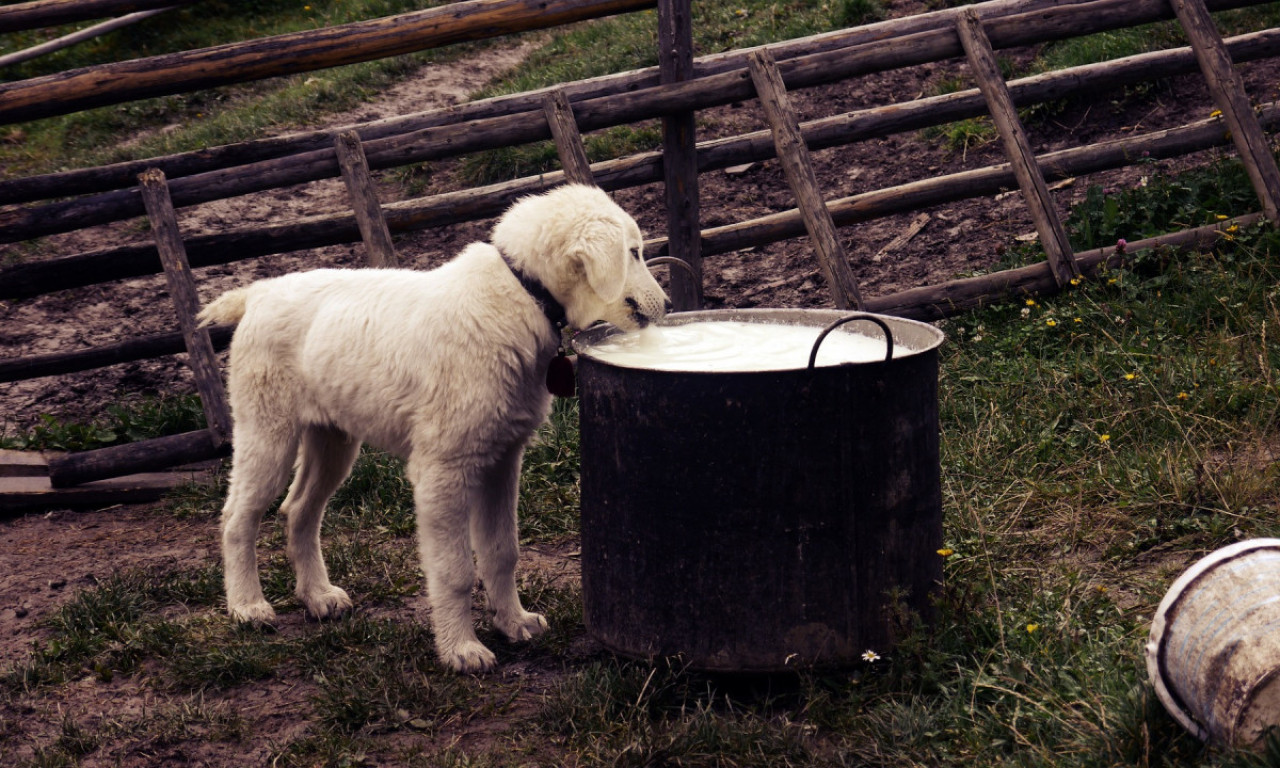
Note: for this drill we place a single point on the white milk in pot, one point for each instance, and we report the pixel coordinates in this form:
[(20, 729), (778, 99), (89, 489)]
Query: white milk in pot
[(735, 346)]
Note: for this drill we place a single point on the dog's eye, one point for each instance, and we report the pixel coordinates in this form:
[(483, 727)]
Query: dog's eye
[(635, 253)]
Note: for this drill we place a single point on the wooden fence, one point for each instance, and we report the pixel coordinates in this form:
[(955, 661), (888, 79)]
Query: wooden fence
[(673, 91)]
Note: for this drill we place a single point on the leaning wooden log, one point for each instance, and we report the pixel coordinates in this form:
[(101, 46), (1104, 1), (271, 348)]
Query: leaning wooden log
[(564, 130), (937, 302), (143, 456), (456, 139), (372, 224), (186, 304), (1017, 147), (288, 54), (797, 166), (119, 175), (1232, 100), (142, 348), (40, 277), (53, 13)]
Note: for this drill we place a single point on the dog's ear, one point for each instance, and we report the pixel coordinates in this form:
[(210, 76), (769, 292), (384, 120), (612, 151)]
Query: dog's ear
[(602, 252)]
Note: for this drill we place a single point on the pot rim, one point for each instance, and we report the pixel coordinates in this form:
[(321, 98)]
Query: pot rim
[(911, 337)]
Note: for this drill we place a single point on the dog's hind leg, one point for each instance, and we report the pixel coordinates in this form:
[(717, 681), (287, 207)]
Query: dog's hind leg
[(496, 541), (259, 470), (443, 498), (325, 457)]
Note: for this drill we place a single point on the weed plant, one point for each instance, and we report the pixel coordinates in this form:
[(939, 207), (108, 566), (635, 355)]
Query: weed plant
[(126, 422)]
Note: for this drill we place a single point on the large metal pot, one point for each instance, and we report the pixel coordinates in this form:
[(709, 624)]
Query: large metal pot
[(761, 520)]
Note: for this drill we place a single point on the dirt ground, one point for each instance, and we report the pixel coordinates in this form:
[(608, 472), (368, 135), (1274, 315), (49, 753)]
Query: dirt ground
[(47, 556)]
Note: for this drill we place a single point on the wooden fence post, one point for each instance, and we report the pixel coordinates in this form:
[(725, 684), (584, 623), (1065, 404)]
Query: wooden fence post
[(1229, 95), (796, 164), (573, 157), (986, 70), (364, 200), (680, 156)]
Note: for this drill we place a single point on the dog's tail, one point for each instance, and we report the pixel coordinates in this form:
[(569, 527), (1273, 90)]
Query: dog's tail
[(227, 308)]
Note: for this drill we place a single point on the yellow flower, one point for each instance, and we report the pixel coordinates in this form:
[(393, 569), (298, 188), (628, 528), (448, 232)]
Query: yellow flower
[(1216, 113), (1104, 438), (1032, 628), (1051, 322), (1031, 302), (1221, 217), (1183, 395), (946, 552), (1130, 376), (1077, 320), (1075, 281)]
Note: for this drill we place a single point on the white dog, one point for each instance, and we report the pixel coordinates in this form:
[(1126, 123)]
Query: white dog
[(444, 368)]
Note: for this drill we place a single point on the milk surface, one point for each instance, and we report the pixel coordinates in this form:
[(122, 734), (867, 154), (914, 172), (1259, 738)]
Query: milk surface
[(733, 346)]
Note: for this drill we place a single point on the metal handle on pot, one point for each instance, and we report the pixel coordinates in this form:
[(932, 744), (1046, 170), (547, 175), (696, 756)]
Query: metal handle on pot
[(658, 261), (888, 336)]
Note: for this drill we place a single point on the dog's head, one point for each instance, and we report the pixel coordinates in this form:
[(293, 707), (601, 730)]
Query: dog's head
[(587, 251)]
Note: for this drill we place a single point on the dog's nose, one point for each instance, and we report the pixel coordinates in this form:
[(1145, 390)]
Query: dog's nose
[(667, 305)]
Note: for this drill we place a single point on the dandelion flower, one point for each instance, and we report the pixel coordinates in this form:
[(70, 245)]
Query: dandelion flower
[(1183, 395), (1104, 438), (1130, 376), (1216, 113), (870, 656), (1075, 281), (1031, 302), (1031, 628), (1221, 217), (1077, 320), (1051, 322), (946, 552)]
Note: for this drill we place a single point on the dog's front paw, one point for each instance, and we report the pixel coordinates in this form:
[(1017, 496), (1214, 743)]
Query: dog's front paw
[(329, 603), (258, 612), (468, 656), (524, 626)]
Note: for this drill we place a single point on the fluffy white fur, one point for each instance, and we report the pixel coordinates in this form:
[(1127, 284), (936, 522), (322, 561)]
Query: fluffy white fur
[(445, 368)]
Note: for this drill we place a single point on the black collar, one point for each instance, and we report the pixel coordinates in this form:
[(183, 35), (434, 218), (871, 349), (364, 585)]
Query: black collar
[(553, 309)]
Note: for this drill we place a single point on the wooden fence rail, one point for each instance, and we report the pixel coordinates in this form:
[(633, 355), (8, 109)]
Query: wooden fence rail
[(1100, 15), (121, 175), (508, 130), (38, 277)]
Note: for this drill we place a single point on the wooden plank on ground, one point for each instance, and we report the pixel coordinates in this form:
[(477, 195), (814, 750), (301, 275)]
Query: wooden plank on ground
[(364, 200), (1232, 100), (182, 290), (564, 130), (986, 70), (23, 464), (20, 494), (798, 167)]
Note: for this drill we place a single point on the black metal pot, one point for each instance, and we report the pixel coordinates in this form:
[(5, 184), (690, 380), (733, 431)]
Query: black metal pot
[(761, 520)]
